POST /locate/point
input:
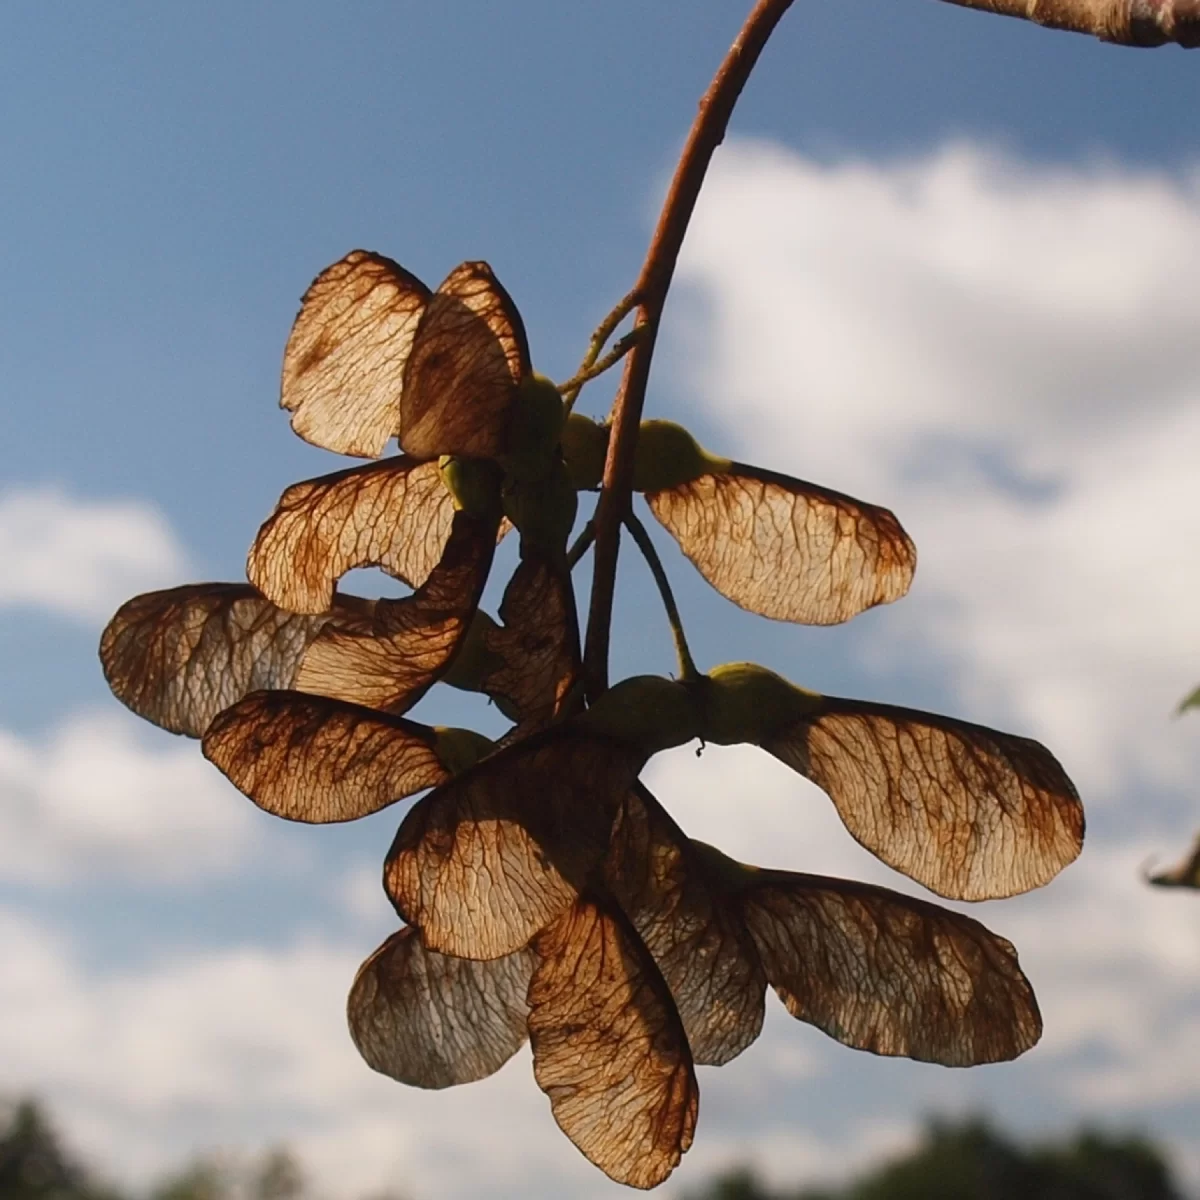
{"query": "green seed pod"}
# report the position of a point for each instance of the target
(646, 711)
(474, 662)
(667, 456)
(585, 447)
(723, 870)
(474, 484)
(543, 510)
(743, 702)
(459, 749)
(535, 428)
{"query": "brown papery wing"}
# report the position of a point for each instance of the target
(609, 1048)
(394, 514)
(180, 656)
(433, 1021)
(343, 368)
(787, 549)
(887, 973)
(538, 644)
(699, 943)
(971, 813)
(469, 355)
(411, 641)
(309, 758)
(501, 850)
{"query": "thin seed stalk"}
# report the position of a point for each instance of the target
(687, 666)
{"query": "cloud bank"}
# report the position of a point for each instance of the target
(82, 559)
(101, 800)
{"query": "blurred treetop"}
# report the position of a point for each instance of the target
(971, 1161)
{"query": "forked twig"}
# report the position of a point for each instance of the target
(586, 374)
(571, 389)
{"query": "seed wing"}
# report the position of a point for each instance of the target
(433, 1021)
(608, 1046)
(469, 355)
(887, 973)
(787, 549)
(180, 656)
(391, 663)
(697, 939)
(500, 851)
(971, 813)
(343, 367)
(309, 758)
(394, 514)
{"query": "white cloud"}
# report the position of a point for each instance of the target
(1117, 965)
(81, 559)
(99, 798)
(359, 893)
(1006, 356)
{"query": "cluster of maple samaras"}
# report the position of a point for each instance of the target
(546, 892)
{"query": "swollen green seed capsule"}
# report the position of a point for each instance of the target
(585, 447)
(543, 510)
(723, 870)
(473, 660)
(535, 428)
(458, 749)
(667, 456)
(647, 711)
(474, 484)
(474, 663)
(743, 702)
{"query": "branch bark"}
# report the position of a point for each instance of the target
(1126, 22)
(707, 133)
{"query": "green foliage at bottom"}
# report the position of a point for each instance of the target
(963, 1161)
(971, 1161)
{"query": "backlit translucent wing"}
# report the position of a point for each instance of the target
(469, 355)
(410, 642)
(698, 941)
(343, 368)
(787, 549)
(394, 514)
(499, 852)
(309, 758)
(537, 647)
(608, 1046)
(433, 1021)
(180, 656)
(887, 973)
(971, 813)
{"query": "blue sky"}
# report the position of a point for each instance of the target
(947, 262)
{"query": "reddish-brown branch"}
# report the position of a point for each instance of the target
(1127, 22)
(707, 133)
